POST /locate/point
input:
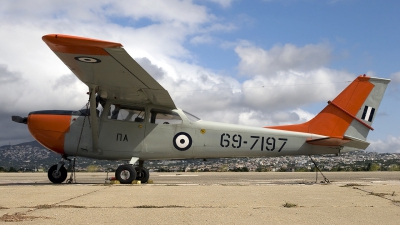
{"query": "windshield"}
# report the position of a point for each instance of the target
(191, 117)
(84, 111)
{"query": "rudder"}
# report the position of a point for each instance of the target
(368, 110)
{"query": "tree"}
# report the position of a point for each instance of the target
(394, 167)
(223, 168)
(12, 170)
(373, 167)
(92, 168)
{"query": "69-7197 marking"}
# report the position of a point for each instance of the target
(258, 142)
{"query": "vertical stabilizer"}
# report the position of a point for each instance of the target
(350, 115)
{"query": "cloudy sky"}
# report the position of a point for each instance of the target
(259, 62)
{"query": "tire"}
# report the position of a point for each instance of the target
(142, 174)
(125, 174)
(57, 178)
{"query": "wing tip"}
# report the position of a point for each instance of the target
(77, 40)
(78, 45)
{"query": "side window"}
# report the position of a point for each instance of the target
(126, 113)
(164, 117)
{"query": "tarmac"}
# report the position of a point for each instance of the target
(204, 198)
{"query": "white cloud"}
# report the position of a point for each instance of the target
(173, 11)
(155, 71)
(281, 79)
(370, 73)
(303, 115)
(33, 78)
(7, 76)
(254, 118)
(101, 11)
(395, 84)
(395, 78)
(257, 61)
(391, 144)
(292, 89)
(287, 77)
(223, 3)
(201, 39)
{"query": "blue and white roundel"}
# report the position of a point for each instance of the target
(87, 59)
(182, 141)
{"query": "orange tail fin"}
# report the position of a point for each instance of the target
(350, 114)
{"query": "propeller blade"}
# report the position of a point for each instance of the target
(19, 119)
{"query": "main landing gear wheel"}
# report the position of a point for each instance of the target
(57, 177)
(142, 174)
(125, 174)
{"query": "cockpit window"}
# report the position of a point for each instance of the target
(100, 103)
(191, 117)
(126, 113)
(159, 116)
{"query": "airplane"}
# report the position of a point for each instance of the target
(131, 117)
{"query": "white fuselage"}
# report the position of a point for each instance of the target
(183, 139)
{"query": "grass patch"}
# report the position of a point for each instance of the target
(19, 217)
(378, 194)
(396, 202)
(158, 207)
(289, 205)
(352, 185)
(46, 206)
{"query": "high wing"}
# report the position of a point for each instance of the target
(108, 69)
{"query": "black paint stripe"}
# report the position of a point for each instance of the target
(364, 113)
(371, 115)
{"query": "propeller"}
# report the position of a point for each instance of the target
(19, 119)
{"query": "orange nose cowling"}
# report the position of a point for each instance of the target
(49, 130)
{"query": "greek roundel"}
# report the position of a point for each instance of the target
(182, 141)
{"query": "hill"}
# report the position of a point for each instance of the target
(30, 156)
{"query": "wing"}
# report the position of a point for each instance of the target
(107, 68)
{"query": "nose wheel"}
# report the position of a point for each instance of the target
(57, 176)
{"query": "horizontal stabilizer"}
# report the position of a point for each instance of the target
(356, 143)
(328, 141)
(346, 141)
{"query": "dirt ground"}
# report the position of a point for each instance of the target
(203, 198)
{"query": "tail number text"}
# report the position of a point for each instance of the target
(257, 142)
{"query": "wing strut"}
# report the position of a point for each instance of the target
(93, 120)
